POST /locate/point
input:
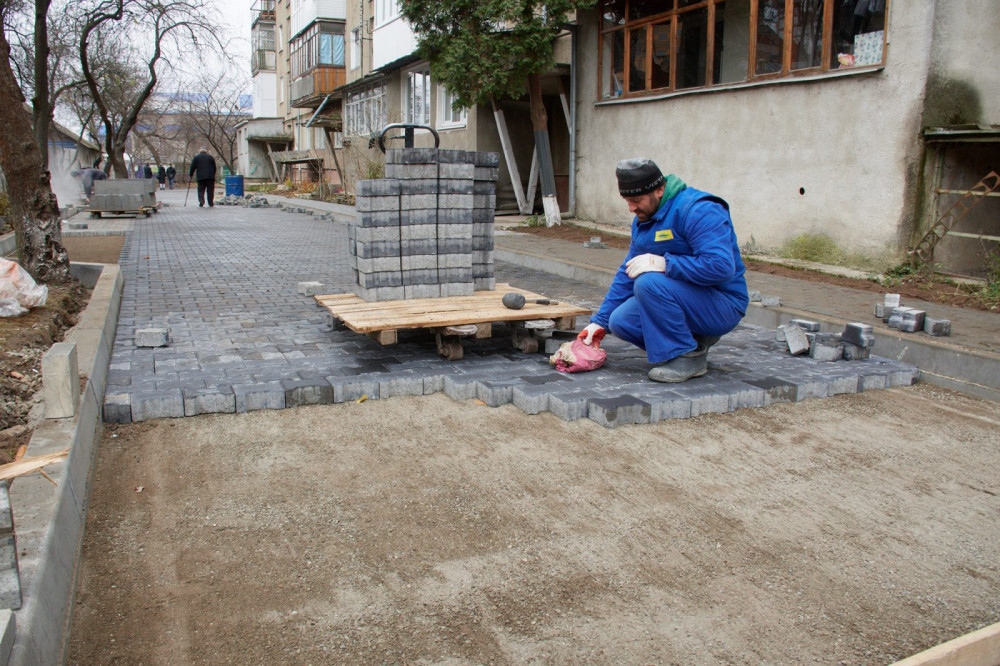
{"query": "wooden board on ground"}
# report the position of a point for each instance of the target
(482, 307)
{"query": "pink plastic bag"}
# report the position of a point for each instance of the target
(575, 356)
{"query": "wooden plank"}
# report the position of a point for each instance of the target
(29, 465)
(482, 308)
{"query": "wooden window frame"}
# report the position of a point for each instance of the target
(674, 12)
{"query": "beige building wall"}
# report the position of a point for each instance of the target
(838, 155)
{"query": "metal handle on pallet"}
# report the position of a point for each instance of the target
(407, 134)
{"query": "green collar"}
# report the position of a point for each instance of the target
(672, 187)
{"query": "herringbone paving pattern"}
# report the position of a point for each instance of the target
(223, 281)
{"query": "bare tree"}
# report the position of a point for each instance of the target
(158, 30)
(34, 208)
(213, 112)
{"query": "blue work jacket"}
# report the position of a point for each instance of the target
(694, 232)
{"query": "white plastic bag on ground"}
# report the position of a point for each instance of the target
(18, 290)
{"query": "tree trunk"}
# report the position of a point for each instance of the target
(540, 125)
(42, 104)
(34, 209)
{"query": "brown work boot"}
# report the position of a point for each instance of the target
(683, 367)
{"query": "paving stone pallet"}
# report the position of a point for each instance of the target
(453, 317)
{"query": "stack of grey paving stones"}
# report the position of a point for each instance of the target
(10, 578)
(910, 320)
(426, 229)
(803, 335)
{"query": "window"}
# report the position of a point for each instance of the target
(322, 44)
(417, 100)
(385, 11)
(656, 46)
(447, 115)
(355, 48)
(364, 110)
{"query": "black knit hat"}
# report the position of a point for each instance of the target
(637, 176)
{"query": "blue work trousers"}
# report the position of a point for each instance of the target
(664, 314)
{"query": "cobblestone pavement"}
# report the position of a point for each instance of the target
(224, 282)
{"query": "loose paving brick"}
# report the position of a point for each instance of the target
(225, 283)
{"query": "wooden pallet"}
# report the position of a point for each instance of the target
(382, 319)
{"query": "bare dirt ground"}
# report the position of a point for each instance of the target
(852, 530)
(25, 339)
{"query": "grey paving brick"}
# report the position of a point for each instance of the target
(252, 397)
(314, 391)
(117, 408)
(621, 410)
(215, 400)
(400, 385)
(348, 389)
(157, 405)
(570, 406)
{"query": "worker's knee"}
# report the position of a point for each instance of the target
(654, 286)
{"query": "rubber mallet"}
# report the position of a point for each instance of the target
(516, 301)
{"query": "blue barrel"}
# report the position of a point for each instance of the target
(234, 185)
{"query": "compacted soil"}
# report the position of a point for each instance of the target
(857, 529)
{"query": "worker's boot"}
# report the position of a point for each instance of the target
(707, 340)
(682, 368)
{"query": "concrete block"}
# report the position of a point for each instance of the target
(411, 171)
(152, 337)
(826, 351)
(310, 288)
(908, 320)
(455, 216)
(349, 390)
(307, 392)
(859, 334)
(6, 514)
(389, 248)
(570, 406)
(418, 232)
(853, 352)
(8, 631)
(806, 325)
(167, 403)
(456, 170)
(380, 279)
(457, 186)
(880, 311)
(375, 235)
(779, 335)
(61, 381)
(378, 187)
(456, 200)
(613, 412)
(419, 201)
(400, 385)
(937, 327)
(457, 156)
(770, 301)
(389, 264)
(421, 291)
(10, 579)
(411, 156)
(488, 201)
(460, 387)
(418, 262)
(252, 397)
(496, 392)
(532, 399)
(214, 400)
(487, 159)
(891, 301)
(381, 218)
(117, 408)
(455, 260)
(419, 186)
(484, 284)
(486, 173)
(375, 204)
(796, 339)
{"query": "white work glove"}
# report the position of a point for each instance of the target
(592, 335)
(645, 263)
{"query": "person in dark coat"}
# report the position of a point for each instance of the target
(161, 176)
(147, 171)
(203, 170)
(171, 175)
(87, 178)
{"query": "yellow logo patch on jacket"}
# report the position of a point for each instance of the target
(664, 235)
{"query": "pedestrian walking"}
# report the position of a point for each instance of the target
(147, 171)
(161, 176)
(203, 170)
(171, 175)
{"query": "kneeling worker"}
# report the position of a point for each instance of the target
(681, 286)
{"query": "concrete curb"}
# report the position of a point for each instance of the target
(49, 520)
